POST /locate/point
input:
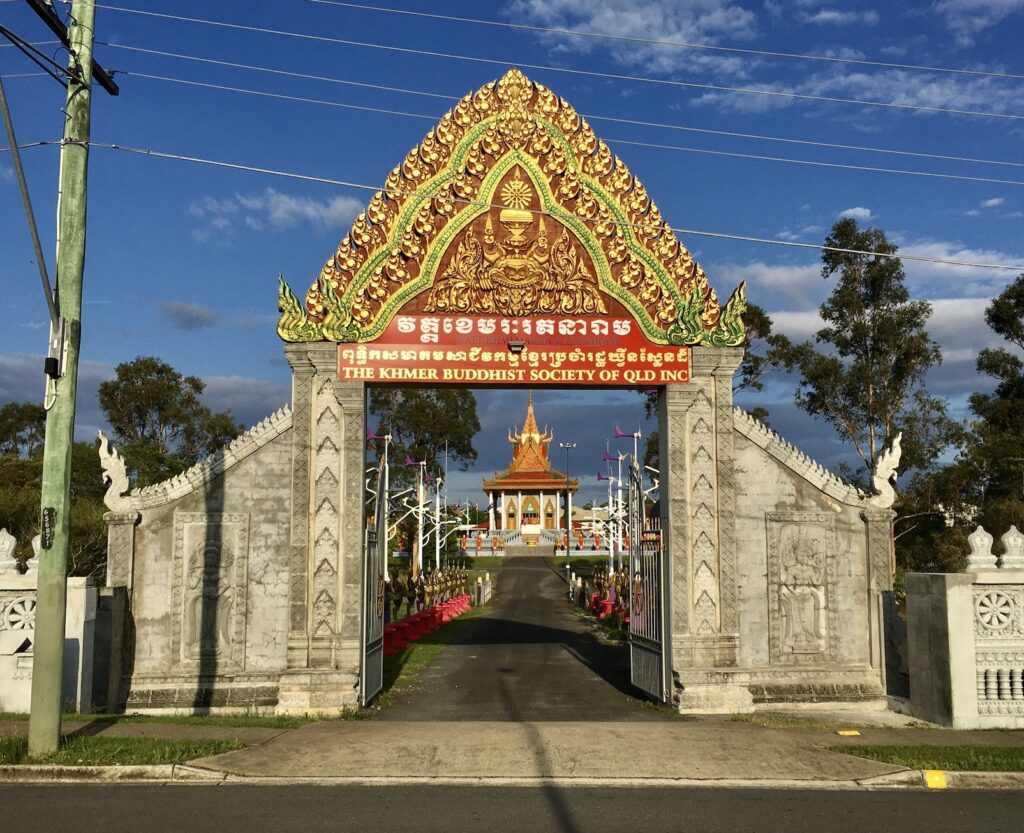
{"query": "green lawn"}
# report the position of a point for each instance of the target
(953, 758)
(236, 721)
(100, 751)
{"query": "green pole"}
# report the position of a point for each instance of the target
(51, 602)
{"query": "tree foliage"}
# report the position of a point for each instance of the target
(21, 471)
(865, 372)
(159, 421)
(423, 422)
(985, 483)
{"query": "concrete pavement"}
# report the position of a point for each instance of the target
(528, 694)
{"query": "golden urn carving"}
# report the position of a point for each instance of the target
(517, 271)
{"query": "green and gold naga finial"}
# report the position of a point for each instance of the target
(293, 325)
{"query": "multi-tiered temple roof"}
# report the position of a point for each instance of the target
(530, 469)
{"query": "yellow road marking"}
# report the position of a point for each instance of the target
(848, 733)
(935, 779)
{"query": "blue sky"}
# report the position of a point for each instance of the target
(183, 258)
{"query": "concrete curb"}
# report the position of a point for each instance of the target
(909, 779)
(43, 773)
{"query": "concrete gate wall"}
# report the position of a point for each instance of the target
(777, 566)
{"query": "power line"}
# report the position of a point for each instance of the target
(710, 152)
(26, 145)
(237, 166)
(764, 53)
(591, 117)
(566, 70)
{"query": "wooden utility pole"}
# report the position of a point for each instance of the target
(62, 386)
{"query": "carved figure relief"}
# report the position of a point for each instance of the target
(513, 267)
(209, 588)
(802, 594)
(802, 603)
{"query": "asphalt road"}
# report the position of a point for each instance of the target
(286, 808)
(530, 657)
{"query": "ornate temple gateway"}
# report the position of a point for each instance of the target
(528, 497)
(510, 247)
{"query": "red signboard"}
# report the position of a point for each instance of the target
(482, 350)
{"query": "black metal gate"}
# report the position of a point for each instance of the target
(372, 678)
(647, 599)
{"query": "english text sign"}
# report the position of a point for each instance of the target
(481, 350)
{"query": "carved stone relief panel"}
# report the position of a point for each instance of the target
(298, 559)
(703, 518)
(999, 648)
(726, 502)
(326, 499)
(802, 606)
(351, 399)
(18, 611)
(999, 612)
(209, 589)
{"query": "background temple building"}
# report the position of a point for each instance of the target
(528, 495)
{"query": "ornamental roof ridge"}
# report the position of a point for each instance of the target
(222, 459)
(511, 145)
(794, 459)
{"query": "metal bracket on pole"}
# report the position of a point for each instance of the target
(57, 356)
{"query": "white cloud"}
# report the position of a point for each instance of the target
(942, 280)
(858, 213)
(837, 17)
(972, 212)
(6, 173)
(800, 285)
(992, 203)
(799, 325)
(968, 18)
(895, 86)
(269, 209)
(689, 21)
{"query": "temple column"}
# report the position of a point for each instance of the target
(540, 512)
(490, 511)
(698, 524)
(519, 511)
(326, 553)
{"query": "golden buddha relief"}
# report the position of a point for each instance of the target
(511, 267)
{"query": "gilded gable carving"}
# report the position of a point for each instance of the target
(512, 206)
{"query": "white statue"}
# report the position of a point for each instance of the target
(115, 474)
(8, 564)
(32, 565)
(885, 475)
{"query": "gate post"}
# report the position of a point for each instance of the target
(326, 533)
(698, 522)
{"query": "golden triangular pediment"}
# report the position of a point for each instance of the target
(511, 206)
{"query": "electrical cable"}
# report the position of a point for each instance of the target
(730, 154)
(237, 166)
(590, 117)
(762, 53)
(567, 70)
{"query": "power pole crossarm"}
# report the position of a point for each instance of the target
(44, 722)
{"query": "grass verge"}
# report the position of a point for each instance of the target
(770, 720)
(235, 721)
(952, 758)
(99, 751)
(401, 670)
